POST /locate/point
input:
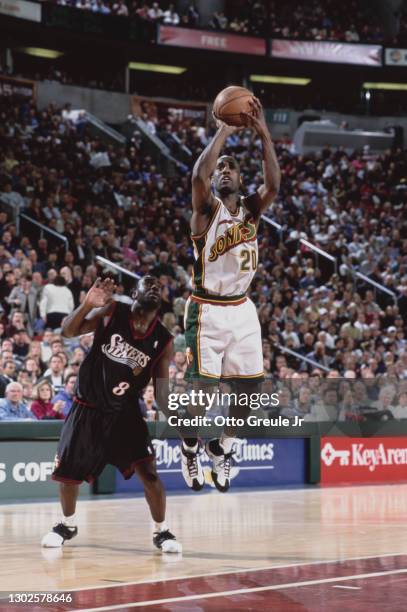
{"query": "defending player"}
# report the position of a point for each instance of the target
(222, 328)
(105, 424)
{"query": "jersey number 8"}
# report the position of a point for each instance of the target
(121, 388)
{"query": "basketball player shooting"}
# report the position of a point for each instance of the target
(105, 424)
(223, 333)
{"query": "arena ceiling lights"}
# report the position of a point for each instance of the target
(393, 86)
(39, 52)
(279, 80)
(163, 68)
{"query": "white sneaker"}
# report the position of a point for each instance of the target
(166, 542)
(59, 534)
(221, 465)
(191, 468)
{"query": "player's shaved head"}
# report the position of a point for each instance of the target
(147, 294)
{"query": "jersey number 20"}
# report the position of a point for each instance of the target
(248, 257)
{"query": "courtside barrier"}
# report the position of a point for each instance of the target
(377, 449)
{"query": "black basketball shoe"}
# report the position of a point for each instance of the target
(59, 534)
(166, 542)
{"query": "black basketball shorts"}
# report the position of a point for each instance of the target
(92, 438)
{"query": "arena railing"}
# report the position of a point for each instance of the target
(377, 286)
(110, 264)
(302, 358)
(276, 225)
(320, 252)
(104, 130)
(156, 147)
(44, 228)
(312, 247)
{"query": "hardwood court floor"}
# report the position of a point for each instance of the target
(239, 545)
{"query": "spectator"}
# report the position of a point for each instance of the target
(163, 267)
(21, 344)
(56, 302)
(54, 374)
(32, 368)
(12, 407)
(319, 355)
(149, 406)
(171, 17)
(16, 323)
(46, 351)
(193, 16)
(155, 13)
(23, 298)
(120, 8)
(327, 409)
(300, 407)
(7, 376)
(384, 406)
(400, 410)
(42, 406)
(66, 394)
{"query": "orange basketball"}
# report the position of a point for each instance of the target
(230, 102)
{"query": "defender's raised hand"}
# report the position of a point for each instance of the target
(101, 293)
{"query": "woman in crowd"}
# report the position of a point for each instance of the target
(42, 406)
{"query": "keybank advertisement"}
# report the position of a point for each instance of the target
(363, 460)
(258, 463)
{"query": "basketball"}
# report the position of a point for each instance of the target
(230, 102)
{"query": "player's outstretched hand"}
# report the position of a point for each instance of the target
(256, 118)
(101, 293)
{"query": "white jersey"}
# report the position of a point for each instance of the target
(226, 253)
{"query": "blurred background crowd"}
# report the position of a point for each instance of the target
(115, 203)
(348, 21)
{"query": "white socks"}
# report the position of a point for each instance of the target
(160, 526)
(69, 521)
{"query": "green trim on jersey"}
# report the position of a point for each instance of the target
(192, 330)
(199, 264)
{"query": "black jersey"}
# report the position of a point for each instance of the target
(120, 362)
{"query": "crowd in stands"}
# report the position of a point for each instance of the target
(158, 12)
(348, 21)
(117, 203)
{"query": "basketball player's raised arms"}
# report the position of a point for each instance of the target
(203, 200)
(271, 169)
(99, 299)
